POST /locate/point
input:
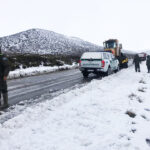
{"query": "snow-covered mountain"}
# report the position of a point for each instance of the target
(38, 41)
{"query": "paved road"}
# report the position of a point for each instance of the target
(33, 87)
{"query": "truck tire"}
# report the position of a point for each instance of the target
(126, 65)
(99, 74)
(85, 74)
(118, 68)
(109, 71)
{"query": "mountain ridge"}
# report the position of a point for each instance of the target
(39, 41)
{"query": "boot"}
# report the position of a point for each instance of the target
(5, 99)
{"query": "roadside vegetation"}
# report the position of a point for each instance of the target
(34, 60)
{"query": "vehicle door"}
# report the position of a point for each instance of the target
(111, 61)
(114, 62)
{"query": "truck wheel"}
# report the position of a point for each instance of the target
(109, 71)
(126, 65)
(85, 74)
(118, 68)
(98, 74)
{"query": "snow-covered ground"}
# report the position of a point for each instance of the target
(38, 70)
(93, 117)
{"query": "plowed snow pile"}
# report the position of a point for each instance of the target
(18, 73)
(108, 114)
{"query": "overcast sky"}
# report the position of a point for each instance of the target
(91, 20)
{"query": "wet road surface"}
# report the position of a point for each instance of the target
(34, 86)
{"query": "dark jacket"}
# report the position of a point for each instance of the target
(136, 60)
(4, 66)
(148, 61)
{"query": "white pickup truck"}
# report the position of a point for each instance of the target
(98, 62)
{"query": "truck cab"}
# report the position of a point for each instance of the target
(115, 47)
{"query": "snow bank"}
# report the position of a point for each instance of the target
(38, 70)
(90, 118)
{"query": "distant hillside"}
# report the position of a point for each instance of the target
(147, 52)
(38, 41)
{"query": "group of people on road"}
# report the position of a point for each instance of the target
(137, 62)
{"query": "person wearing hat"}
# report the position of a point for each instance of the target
(4, 71)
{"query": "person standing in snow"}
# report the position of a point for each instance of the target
(4, 71)
(148, 63)
(137, 61)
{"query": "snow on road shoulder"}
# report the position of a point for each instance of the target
(38, 70)
(108, 114)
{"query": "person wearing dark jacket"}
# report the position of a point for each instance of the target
(148, 63)
(136, 61)
(4, 71)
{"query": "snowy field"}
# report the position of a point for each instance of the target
(38, 70)
(108, 114)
